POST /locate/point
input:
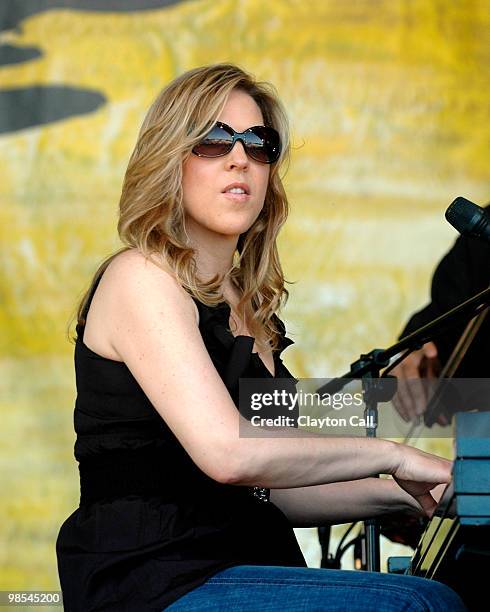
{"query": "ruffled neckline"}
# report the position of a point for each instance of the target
(215, 320)
(220, 316)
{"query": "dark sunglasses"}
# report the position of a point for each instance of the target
(260, 142)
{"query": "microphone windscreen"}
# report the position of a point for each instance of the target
(464, 215)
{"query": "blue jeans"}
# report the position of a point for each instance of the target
(293, 589)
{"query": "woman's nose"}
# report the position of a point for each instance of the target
(237, 156)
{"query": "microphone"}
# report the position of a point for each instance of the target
(469, 219)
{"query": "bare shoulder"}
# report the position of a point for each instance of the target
(131, 270)
(132, 283)
(134, 279)
(132, 265)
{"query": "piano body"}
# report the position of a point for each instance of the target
(455, 547)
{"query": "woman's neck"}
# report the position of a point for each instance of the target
(214, 256)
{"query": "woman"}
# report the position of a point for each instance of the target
(175, 506)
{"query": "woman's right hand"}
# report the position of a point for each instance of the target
(418, 472)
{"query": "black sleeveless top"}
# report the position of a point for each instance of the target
(151, 525)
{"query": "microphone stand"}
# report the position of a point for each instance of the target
(378, 389)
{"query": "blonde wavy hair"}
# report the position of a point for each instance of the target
(151, 212)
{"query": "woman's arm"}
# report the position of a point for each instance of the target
(151, 324)
(344, 502)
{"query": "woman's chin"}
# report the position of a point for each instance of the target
(231, 230)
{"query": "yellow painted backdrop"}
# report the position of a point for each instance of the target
(388, 101)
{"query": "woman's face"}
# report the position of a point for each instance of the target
(208, 206)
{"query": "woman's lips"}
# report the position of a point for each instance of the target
(237, 197)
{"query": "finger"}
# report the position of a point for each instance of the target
(419, 397)
(431, 365)
(415, 394)
(430, 350)
(408, 393)
(438, 491)
(442, 420)
(409, 400)
(402, 399)
(427, 503)
(430, 368)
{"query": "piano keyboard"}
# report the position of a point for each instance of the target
(455, 547)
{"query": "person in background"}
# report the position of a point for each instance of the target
(463, 272)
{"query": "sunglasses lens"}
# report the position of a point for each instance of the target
(262, 144)
(218, 142)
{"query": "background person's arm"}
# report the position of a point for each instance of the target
(462, 272)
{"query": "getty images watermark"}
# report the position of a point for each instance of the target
(288, 407)
(286, 402)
